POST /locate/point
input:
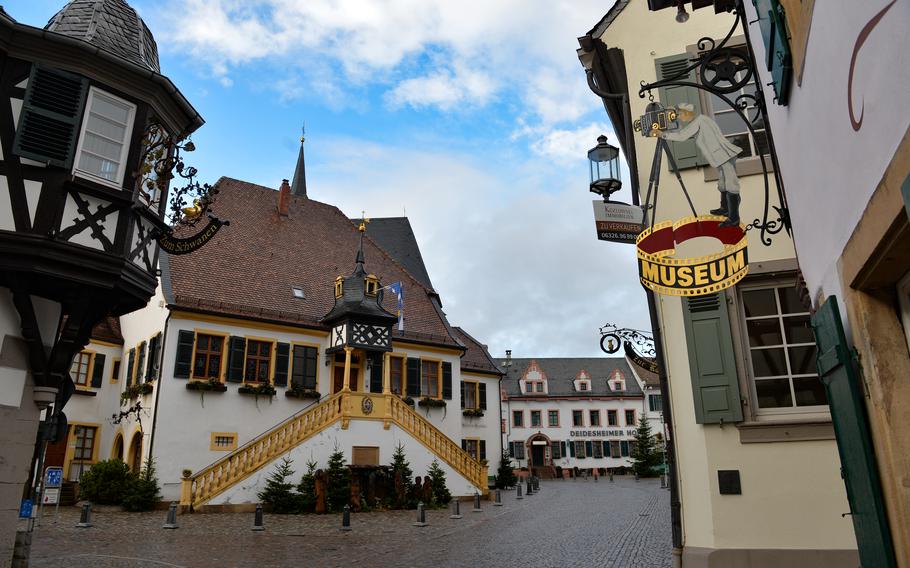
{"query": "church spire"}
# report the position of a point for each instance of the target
(298, 185)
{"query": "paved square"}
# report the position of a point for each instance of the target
(625, 524)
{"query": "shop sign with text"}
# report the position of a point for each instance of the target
(617, 222)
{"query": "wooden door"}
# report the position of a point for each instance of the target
(338, 379)
(55, 454)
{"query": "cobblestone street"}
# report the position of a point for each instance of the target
(569, 523)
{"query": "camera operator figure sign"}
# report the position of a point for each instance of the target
(718, 151)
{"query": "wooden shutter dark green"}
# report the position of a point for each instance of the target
(715, 385)
(483, 449)
(98, 370)
(462, 394)
(838, 371)
(772, 22)
(129, 370)
(413, 377)
(685, 153)
(236, 354)
(589, 448)
(624, 448)
(376, 375)
(311, 355)
(155, 360)
(184, 357)
(298, 365)
(446, 380)
(140, 363)
(464, 445)
(149, 372)
(606, 446)
(51, 114)
(511, 450)
(482, 388)
(571, 448)
(282, 360)
(554, 450)
(562, 448)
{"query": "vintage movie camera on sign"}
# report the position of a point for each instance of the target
(655, 119)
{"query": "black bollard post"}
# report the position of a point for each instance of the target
(257, 518)
(85, 517)
(477, 508)
(611, 476)
(421, 516)
(536, 483)
(528, 489)
(636, 476)
(346, 518)
(171, 522)
(456, 506)
(497, 502)
(519, 492)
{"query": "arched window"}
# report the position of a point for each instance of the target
(135, 453)
(117, 451)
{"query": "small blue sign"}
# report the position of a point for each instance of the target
(25, 510)
(53, 477)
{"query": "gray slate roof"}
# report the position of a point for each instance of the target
(111, 25)
(394, 234)
(561, 373)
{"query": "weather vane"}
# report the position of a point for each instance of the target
(364, 221)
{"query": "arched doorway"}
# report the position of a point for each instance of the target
(539, 451)
(135, 453)
(117, 450)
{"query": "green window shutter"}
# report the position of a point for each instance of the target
(462, 394)
(140, 364)
(606, 446)
(511, 449)
(571, 449)
(589, 448)
(98, 370)
(184, 357)
(715, 385)
(413, 377)
(482, 388)
(311, 355)
(772, 22)
(562, 448)
(376, 375)
(483, 449)
(298, 365)
(624, 448)
(464, 445)
(685, 153)
(155, 358)
(236, 354)
(446, 380)
(51, 115)
(554, 451)
(282, 359)
(129, 369)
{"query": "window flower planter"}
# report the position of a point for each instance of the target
(472, 412)
(258, 390)
(302, 393)
(408, 400)
(212, 386)
(432, 403)
(134, 391)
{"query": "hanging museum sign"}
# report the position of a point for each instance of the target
(174, 245)
(617, 222)
(661, 271)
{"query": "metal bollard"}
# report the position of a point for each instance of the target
(636, 477)
(85, 517)
(257, 518)
(663, 481)
(457, 508)
(477, 508)
(497, 501)
(171, 522)
(529, 490)
(346, 518)
(421, 516)
(519, 492)
(611, 476)
(536, 483)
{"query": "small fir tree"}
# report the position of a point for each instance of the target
(441, 494)
(142, 493)
(307, 489)
(401, 466)
(278, 490)
(338, 490)
(505, 476)
(645, 455)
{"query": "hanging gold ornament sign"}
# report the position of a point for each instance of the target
(660, 270)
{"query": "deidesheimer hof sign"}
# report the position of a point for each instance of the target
(661, 272)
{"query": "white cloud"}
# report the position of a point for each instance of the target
(517, 265)
(570, 146)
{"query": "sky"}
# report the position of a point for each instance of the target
(473, 118)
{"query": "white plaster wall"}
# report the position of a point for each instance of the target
(830, 170)
(486, 427)
(318, 448)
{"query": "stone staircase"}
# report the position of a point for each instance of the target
(200, 487)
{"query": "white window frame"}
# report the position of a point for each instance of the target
(903, 296)
(117, 183)
(817, 411)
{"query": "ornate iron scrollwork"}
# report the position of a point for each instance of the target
(722, 71)
(612, 338)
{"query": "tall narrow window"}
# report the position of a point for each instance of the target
(630, 418)
(518, 418)
(105, 138)
(580, 449)
(611, 418)
(396, 375)
(472, 447)
(429, 379)
(470, 395)
(258, 357)
(553, 418)
(578, 418)
(655, 403)
(207, 364)
(79, 370)
(83, 451)
(595, 417)
(535, 419)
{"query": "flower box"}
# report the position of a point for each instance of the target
(432, 403)
(264, 389)
(299, 392)
(134, 391)
(472, 412)
(212, 386)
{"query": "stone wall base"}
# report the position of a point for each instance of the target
(695, 557)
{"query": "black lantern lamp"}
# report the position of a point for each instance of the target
(604, 162)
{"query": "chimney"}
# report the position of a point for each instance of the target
(284, 198)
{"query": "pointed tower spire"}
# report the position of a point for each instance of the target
(298, 186)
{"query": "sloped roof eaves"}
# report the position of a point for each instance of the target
(396, 237)
(476, 358)
(249, 267)
(609, 18)
(561, 373)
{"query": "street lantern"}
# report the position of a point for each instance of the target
(604, 163)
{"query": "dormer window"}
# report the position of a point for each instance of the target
(583, 386)
(103, 142)
(339, 286)
(372, 284)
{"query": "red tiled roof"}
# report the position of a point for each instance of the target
(108, 330)
(250, 266)
(477, 357)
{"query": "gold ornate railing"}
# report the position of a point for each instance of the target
(438, 443)
(205, 484)
(239, 464)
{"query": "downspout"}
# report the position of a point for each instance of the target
(167, 320)
(675, 501)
